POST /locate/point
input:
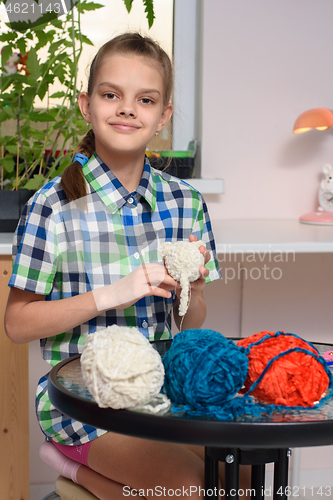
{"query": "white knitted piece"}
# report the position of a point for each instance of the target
(182, 260)
(120, 368)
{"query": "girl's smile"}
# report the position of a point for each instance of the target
(124, 126)
(126, 107)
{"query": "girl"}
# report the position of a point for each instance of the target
(85, 257)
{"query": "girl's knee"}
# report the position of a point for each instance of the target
(190, 483)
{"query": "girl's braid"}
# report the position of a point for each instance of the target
(72, 180)
(87, 145)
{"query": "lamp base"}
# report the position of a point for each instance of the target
(319, 217)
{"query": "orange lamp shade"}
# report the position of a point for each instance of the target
(318, 118)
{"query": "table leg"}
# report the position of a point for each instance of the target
(281, 475)
(257, 458)
(211, 476)
(232, 473)
(258, 481)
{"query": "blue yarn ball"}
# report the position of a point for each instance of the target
(203, 369)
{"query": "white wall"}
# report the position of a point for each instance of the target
(264, 63)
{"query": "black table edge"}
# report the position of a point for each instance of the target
(172, 428)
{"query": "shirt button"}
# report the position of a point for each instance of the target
(136, 255)
(144, 324)
(130, 200)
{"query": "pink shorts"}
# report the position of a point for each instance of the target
(77, 453)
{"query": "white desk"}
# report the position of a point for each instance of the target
(6, 240)
(289, 235)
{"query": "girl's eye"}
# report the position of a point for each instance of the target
(110, 96)
(146, 100)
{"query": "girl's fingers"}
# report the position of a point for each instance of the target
(202, 248)
(160, 292)
(156, 275)
(203, 271)
(205, 253)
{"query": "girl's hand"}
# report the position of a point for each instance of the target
(196, 313)
(198, 285)
(145, 280)
(202, 269)
(29, 317)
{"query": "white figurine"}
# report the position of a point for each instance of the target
(325, 194)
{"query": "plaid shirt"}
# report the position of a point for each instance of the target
(63, 249)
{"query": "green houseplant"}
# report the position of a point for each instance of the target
(40, 141)
(36, 143)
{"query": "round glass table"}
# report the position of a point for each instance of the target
(248, 440)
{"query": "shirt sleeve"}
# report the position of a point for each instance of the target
(35, 248)
(202, 228)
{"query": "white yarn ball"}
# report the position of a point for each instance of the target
(183, 257)
(120, 368)
(182, 260)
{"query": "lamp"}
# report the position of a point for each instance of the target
(319, 119)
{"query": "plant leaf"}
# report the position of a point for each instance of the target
(59, 73)
(8, 37)
(8, 163)
(54, 46)
(21, 45)
(40, 23)
(5, 53)
(82, 6)
(33, 63)
(12, 149)
(30, 94)
(58, 95)
(3, 117)
(36, 182)
(128, 5)
(56, 23)
(86, 40)
(64, 162)
(43, 38)
(39, 116)
(149, 9)
(9, 112)
(38, 135)
(42, 90)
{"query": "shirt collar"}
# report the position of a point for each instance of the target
(110, 189)
(147, 185)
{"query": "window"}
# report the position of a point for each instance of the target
(177, 29)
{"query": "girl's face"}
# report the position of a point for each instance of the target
(126, 106)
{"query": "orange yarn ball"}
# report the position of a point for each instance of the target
(294, 379)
